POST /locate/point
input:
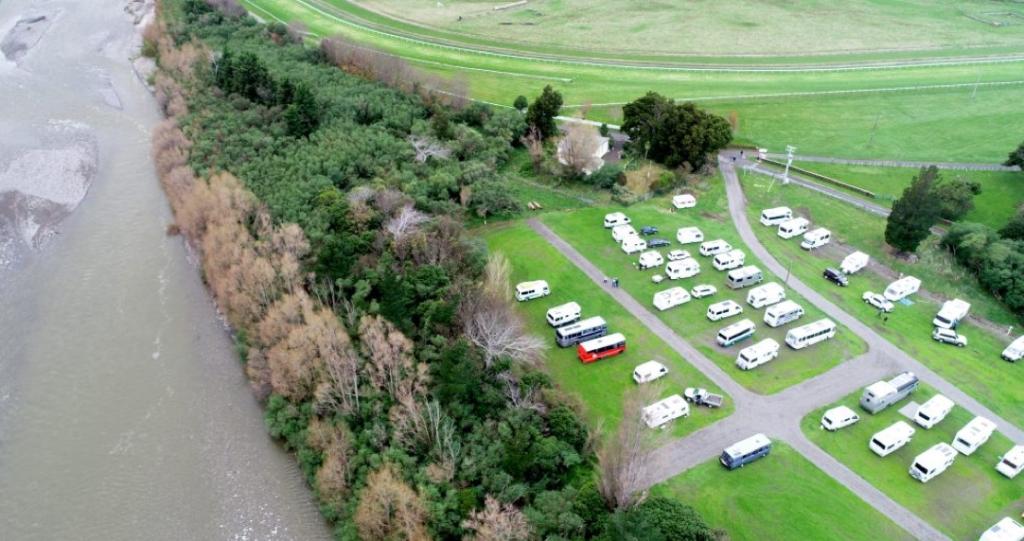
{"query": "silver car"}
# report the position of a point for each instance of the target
(878, 301)
(949, 336)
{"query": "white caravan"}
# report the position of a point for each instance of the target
(623, 232)
(1015, 351)
(889, 440)
(615, 218)
(1012, 462)
(1006, 529)
(792, 228)
(689, 235)
(670, 298)
(810, 334)
(782, 313)
(532, 290)
(563, 314)
(743, 277)
(684, 201)
(650, 259)
(741, 330)
(683, 268)
(951, 314)
(760, 353)
(714, 247)
(776, 215)
(908, 285)
(729, 260)
(724, 309)
(665, 410)
(882, 394)
(766, 295)
(973, 435)
(649, 371)
(838, 417)
(816, 239)
(854, 262)
(933, 411)
(932, 462)
(632, 245)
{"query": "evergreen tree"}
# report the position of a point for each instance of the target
(672, 133)
(303, 115)
(520, 103)
(1016, 157)
(542, 112)
(915, 212)
(1014, 229)
(956, 197)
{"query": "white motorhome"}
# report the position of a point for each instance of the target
(760, 353)
(951, 314)
(882, 394)
(1006, 529)
(532, 290)
(663, 411)
(632, 245)
(1012, 463)
(854, 262)
(776, 215)
(1015, 351)
(615, 218)
(933, 411)
(622, 232)
(714, 247)
(670, 298)
(743, 277)
(908, 285)
(649, 371)
(724, 309)
(741, 330)
(563, 314)
(766, 295)
(932, 462)
(684, 268)
(792, 228)
(729, 260)
(889, 440)
(689, 235)
(973, 435)
(650, 259)
(782, 313)
(838, 417)
(816, 238)
(811, 333)
(684, 201)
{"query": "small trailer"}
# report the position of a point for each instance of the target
(896, 291)
(702, 397)
(854, 262)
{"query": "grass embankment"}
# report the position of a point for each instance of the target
(976, 369)
(601, 385)
(783, 494)
(583, 229)
(963, 501)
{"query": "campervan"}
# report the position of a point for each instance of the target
(760, 353)
(775, 216)
(683, 268)
(623, 232)
(1012, 463)
(615, 218)
(650, 259)
(882, 394)
(782, 313)
(689, 235)
(714, 247)
(816, 238)
(632, 245)
(838, 417)
(792, 228)
(854, 262)
(1015, 351)
(973, 435)
(951, 314)
(684, 201)
(932, 462)
(724, 309)
(649, 371)
(729, 260)
(889, 440)
(1006, 529)
(600, 348)
(743, 277)
(933, 411)
(532, 290)
(581, 331)
(563, 314)
(901, 288)
(670, 298)
(665, 410)
(811, 333)
(744, 452)
(766, 295)
(737, 332)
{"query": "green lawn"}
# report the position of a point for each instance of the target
(600, 385)
(963, 501)
(783, 494)
(583, 229)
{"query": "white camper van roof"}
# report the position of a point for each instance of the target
(768, 290)
(649, 367)
(1006, 529)
(748, 445)
(531, 285)
(935, 456)
(783, 307)
(977, 429)
(855, 257)
(776, 211)
(935, 404)
(815, 233)
(561, 309)
(795, 222)
(764, 346)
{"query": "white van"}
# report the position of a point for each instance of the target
(810, 334)
(854, 262)
(1006, 529)
(932, 462)
(760, 353)
(684, 201)
(816, 239)
(776, 215)
(729, 260)
(766, 295)
(889, 440)
(689, 235)
(665, 410)
(951, 314)
(650, 259)
(649, 371)
(714, 247)
(743, 277)
(684, 268)
(973, 435)
(838, 417)
(670, 298)
(1012, 463)
(724, 309)
(1015, 351)
(631, 245)
(933, 411)
(622, 232)
(532, 290)
(741, 330)
(792, 228)
(563, 314)
(908, 285)
(782, 313)
(615, 218)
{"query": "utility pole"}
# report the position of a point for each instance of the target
(790, 150)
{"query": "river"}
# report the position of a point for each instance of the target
(124, 412)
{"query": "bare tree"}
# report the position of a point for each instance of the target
(390, 509)
(493, 326)
(406, 221)
(426, 147)
(621, 467)
(497, 275)
(497, 522)
(534, 143)
(578, 147)
(519, 396)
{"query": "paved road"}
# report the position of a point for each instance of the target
(962, 166)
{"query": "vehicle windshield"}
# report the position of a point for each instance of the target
(942, 319)
(963, 441)
(924, 416)
(920, 468)
(878, 443)
(1010, 463)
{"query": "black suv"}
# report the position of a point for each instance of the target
(658, 243)
(648, 230)
(836, 277)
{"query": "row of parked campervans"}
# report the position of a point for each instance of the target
(789, 227)
(590, 335)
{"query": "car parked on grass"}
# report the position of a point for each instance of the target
(836, 276)
(949, 336)
(878, 301)
(678, 255)
(838, 417)
(700, 291)
(658, 243)
(648, 230)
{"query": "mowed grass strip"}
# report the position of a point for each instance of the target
(782, 497)
(601, 385)
(963, 501)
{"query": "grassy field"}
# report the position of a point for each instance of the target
(963, 501)
(783, 494)
(583, 230)
(600, 385)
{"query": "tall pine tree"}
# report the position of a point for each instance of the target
(915, 212)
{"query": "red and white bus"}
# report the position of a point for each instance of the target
(599, 348)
